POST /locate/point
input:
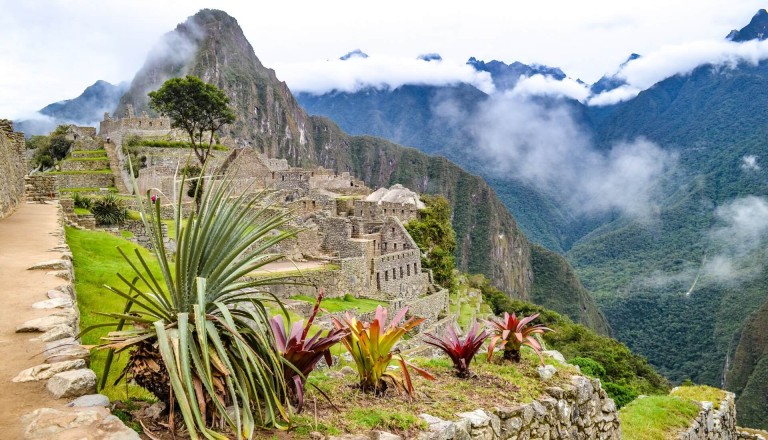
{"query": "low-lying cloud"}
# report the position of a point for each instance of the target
(545, 85)
(378, 71)
(644, 72)
(743, 231)
(542, 144)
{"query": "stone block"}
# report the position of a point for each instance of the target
(46, 371)
(75, 423)
(43, 324)
(53, 303)
(90, 400)
(72, 383)
(52, 265)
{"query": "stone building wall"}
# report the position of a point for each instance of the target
(13, 168)
(84, 180)
(714, 424)
(41, 187)
(399, 274)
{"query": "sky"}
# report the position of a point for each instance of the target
(52, 50)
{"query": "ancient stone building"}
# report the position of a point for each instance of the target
(13, 167)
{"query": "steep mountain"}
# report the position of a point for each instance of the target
(610, 82)
(749, 375)
(89, 107)
(212, 46)
(757, 29)
(86, 109)
(505, 76)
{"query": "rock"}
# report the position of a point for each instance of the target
(334, 375)
(64, 350)
(155, 410)
(43, 324)
(383, 435)
(583, 390)
(609, 406)
(90, 400)
(478, 418)
(546, 372)
(54, 293)
(554, 354)
(75, 423)
(555, 392)
(52, 265)
(321, 365)
(349, 437)
(439, 429)
(46, 371)
(72, 383)
(347, 370)
(53, 303)
(63, 274)
(56, 333)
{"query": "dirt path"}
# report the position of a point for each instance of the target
(26, 238)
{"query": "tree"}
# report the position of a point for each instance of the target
(434, 235)
(196, 107)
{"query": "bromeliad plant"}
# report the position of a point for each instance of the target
(461, 351)
(197, 340)
(513, 334)
(371, 346)
(303, 354)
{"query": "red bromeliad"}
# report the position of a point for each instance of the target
(512, 334)
(460, 351)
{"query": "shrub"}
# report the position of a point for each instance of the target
(460, 351)
(371, 346)
(621, 394)
(109, 210)
(513, 334)
(83, 202)
(588, 366)
(201, 339)
(302, 354)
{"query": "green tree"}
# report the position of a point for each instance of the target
(434, 235)
(196, 107)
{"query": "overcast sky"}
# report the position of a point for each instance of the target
(52, 50)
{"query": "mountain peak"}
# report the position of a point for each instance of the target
(757, 29)
(357, 53)
(430, 57)
(505, 76)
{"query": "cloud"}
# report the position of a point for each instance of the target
(378, 71)
(749, 163)
(541, 85)
(542, 144)
(743, 232)
(681, 59)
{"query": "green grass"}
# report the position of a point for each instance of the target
(347, 302)
(82, 211)
(89, 152)
(700, 393)
(296, 272)
(85, 159)
(97, 262)
(105, 171)
(86, 190)
(656, 417)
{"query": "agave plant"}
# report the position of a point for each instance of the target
(371, 346)
(513, 334)
(461, 351)
(303, 354)
(197, 339)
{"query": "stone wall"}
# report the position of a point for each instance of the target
(84, 180)
(744, 435)
(714, 424)
(41, 187)
(140, 236)
(579, 410)
(84, 165)
(13, 168)
(429, 307)
(399, 274)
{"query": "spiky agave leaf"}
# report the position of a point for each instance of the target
(461, 351)
(225, 354)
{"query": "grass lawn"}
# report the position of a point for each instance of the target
(346, 302)
(97, 262)
(700, 393)
(656, 417)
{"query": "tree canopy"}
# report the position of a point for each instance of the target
(434, 235)
(196, 107)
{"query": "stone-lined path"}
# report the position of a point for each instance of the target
(26, 238)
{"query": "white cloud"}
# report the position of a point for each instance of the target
(547, 86)
(749, 163)
(681, 59)
(378, 71)
(742, 233)
(544, 145)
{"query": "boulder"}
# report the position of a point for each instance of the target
(90, 400)
(75, 423)
(52, 265)
(546, 372)
(72, 383)
(46, 371)
(44, 324)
